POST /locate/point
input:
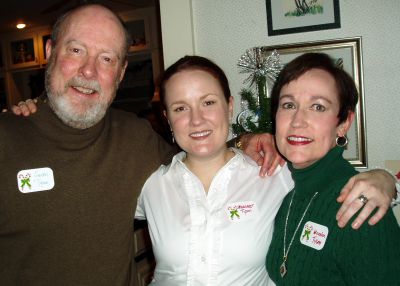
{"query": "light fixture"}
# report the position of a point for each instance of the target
(21, 26)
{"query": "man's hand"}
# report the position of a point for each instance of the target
(378, 186)
(261, 148)
(25, 108)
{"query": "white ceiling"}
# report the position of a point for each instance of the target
(44, 12)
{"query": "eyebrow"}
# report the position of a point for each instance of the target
(73, 41)
(208, 94)
(201, 98)
(314, 97)
(176, 103)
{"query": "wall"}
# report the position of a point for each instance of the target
(223, 29)
(176, 29)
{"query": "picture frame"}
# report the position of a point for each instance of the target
(42, 38)
(136, 89)
(23, 52)
(139, 30)
(349, 52)
(291, 16)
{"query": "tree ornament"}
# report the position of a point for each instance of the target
(263, 70)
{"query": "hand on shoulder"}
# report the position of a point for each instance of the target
(25, 108)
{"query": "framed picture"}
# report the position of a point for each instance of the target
(296, 16)
(42, 38)
(348, 53)
(139, 30)
(137, 88)
(23, 52)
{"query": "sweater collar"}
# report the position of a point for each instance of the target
(55, 130)
(311, 179)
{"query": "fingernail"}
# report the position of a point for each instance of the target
(355, 224)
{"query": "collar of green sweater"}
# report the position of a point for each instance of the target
(312, 178)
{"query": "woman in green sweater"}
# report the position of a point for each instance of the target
(314, 103)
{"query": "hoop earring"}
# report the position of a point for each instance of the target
(341, 141)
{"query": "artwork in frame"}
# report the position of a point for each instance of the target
(347, 53)
(140, 34)
(44, 38)
(296, 16)
(22, 51)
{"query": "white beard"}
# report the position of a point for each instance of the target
(88, 114)
(68, 114)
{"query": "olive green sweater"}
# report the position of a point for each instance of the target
(81, 231)
(368, 256)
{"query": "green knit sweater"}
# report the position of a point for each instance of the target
(81, 231)
(368, 256)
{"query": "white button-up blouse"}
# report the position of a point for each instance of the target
(219, 238)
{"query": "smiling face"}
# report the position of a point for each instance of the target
(307, 118)
(85, 66)
(198, 113)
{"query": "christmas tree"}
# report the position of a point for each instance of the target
(255, 116)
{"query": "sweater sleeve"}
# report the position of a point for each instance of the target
(369, 256)
(154, 141)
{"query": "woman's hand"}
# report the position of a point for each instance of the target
(378, 186)
(25, 108)
(261, 148)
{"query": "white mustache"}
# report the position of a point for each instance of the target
(89, 84)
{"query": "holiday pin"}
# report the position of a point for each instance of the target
(241, 211)
(35, 180)
(314, 235)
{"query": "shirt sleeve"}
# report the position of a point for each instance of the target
(286, 177)
(140, 208)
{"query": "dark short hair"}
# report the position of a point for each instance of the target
(347, 90)
(59, 27)
(195, 63)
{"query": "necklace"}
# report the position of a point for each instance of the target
(283, 268)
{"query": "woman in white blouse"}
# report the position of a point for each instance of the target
(210, 215)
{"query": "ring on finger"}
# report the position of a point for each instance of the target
(363, 199)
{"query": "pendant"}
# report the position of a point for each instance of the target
(283, 269)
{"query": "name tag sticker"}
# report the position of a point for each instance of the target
(241, 211)
(35, 180)
(314, 235)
